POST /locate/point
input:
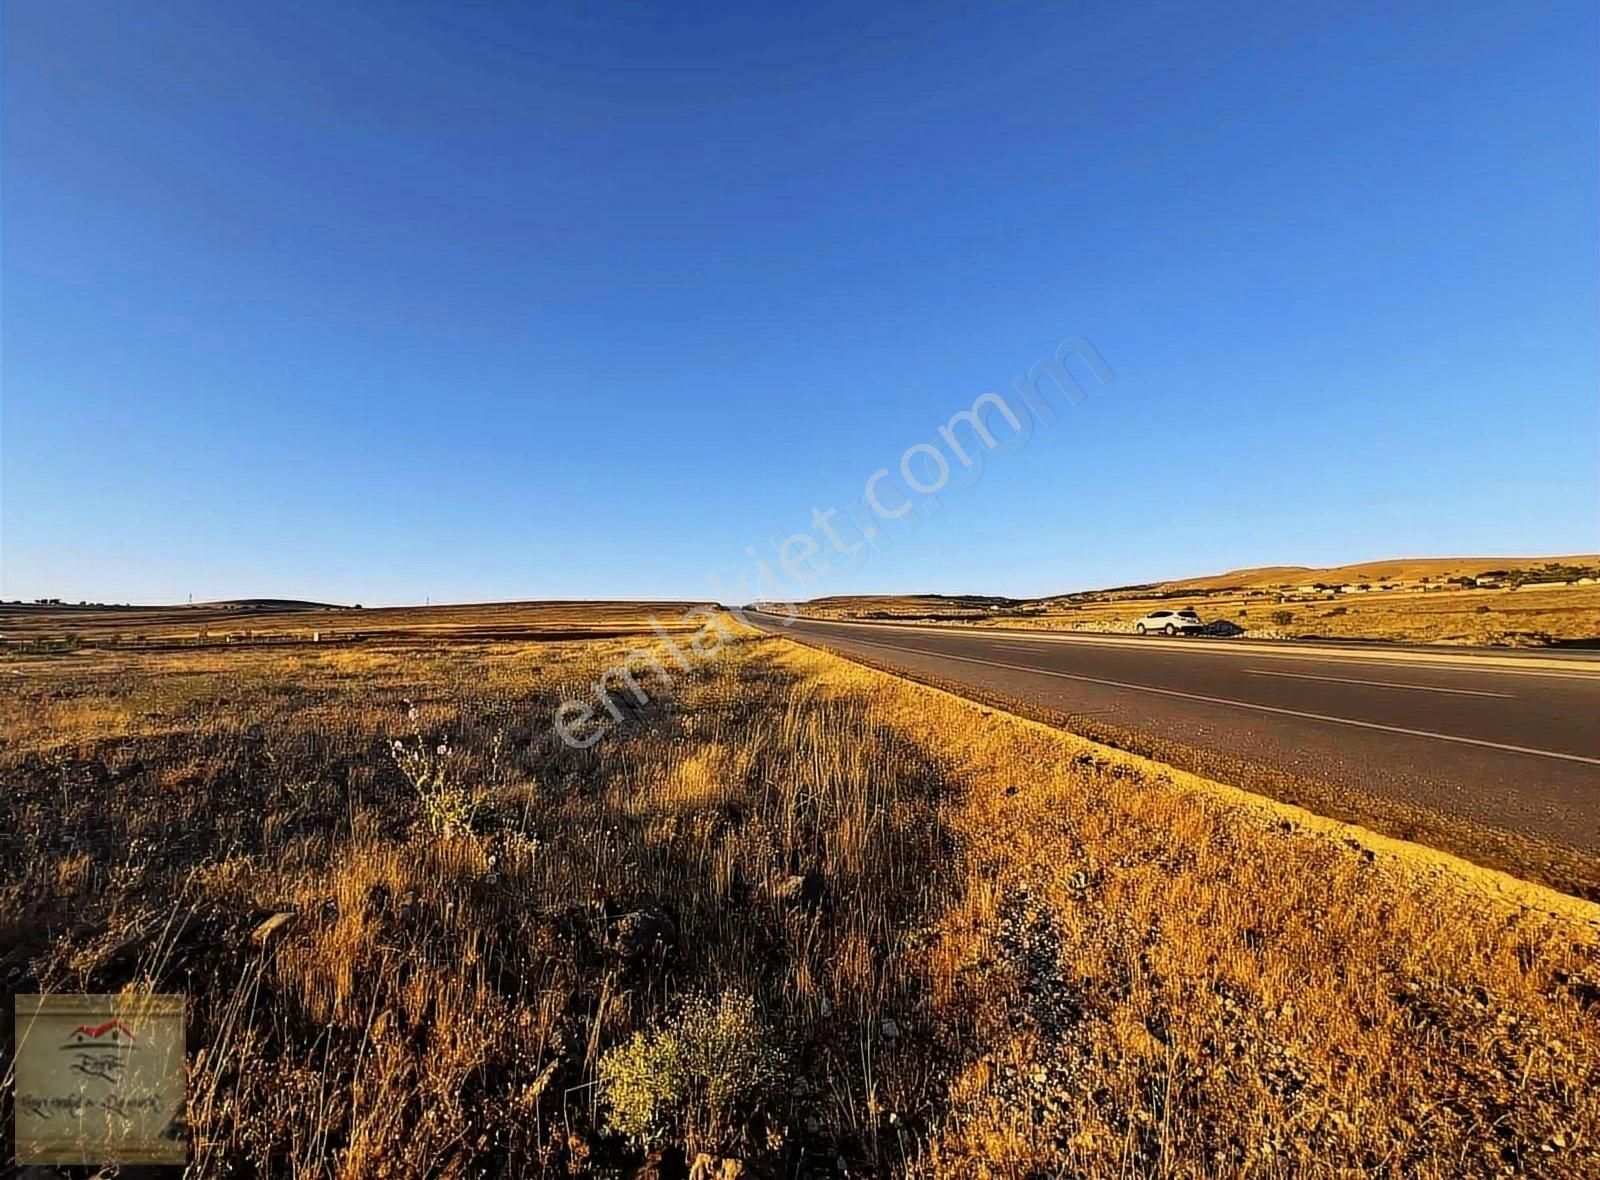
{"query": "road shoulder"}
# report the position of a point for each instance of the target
(1516, 856)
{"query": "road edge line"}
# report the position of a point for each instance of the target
(1424, 859)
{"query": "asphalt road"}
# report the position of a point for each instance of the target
(1507, 741)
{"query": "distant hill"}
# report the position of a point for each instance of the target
(276, 604)
(1409, 569)
(261, 620)
(921, 606)
(1520, 602)
(1394, 569)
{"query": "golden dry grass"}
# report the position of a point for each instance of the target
(982, 946)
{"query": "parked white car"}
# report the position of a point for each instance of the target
(1170, 622)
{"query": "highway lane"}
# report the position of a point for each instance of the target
(1512, 743)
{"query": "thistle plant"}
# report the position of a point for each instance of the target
(447, 804)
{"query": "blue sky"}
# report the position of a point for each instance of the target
(384, 302)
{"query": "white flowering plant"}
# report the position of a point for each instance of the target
(447, 804)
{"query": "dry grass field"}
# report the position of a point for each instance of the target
(269, 621)
(1283, 602)
(794, 917)
(1540, 617)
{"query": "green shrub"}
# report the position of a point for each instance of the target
(1282, 618)
(686, 1078)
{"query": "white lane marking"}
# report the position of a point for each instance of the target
(1474, 663)
(1195, 696)
(1465, 692)
(1487, 665)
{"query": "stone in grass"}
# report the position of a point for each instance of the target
(799, 888)
(642, 933)
(274, 925)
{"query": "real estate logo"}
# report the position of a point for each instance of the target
(100, 1079)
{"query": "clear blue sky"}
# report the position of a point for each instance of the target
(391, 301)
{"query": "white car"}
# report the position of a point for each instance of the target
(1170, 622)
